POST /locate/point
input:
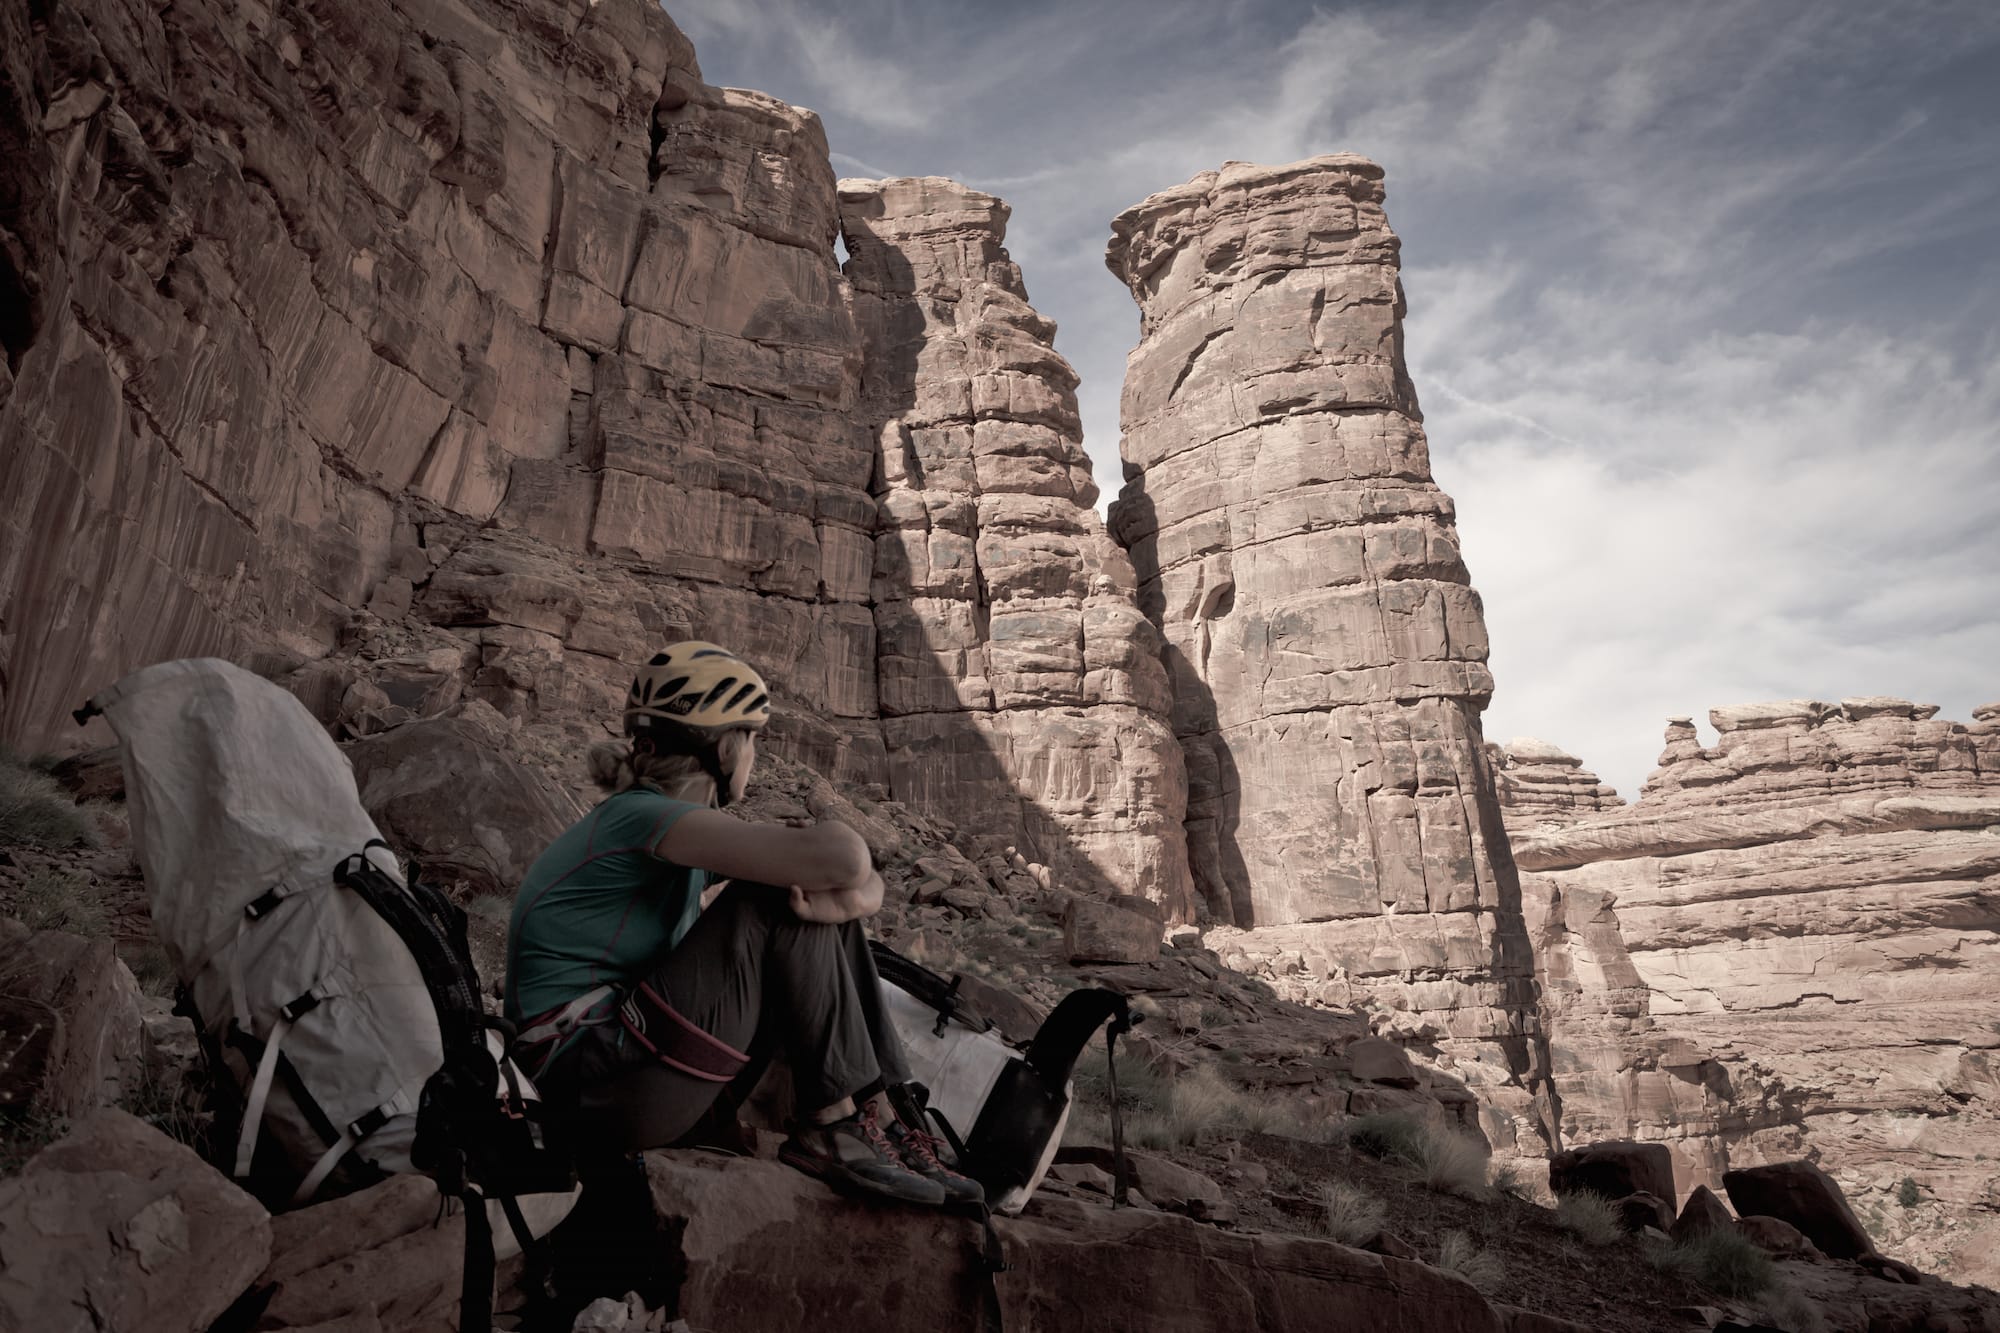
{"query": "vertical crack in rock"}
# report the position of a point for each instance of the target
(1021, 689)
(1787, 946)
(1331, 718)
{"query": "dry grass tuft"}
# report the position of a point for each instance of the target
(36, 812)
(50, 899)
(1457, 1253)
(1351, 1214)
(1445, 1161)
(1590, 1218)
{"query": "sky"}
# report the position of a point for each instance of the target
(1704, 297)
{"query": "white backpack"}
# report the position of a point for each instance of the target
(1001, 1108)
(328, 989)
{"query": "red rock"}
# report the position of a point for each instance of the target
(415, 780)
(1614, 1169)
(1097, 932)
(1703, 1212)
(1806, 1197)
(81, 1022)
(1639, 1211)
(1776, 1236)
(116, 1226)
(1377, 1060)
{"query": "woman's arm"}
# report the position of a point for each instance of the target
(837, 906)
(819, 858)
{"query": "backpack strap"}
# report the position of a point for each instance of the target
(260, 1093)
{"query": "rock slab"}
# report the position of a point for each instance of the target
(117, 1226)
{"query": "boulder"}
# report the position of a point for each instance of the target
(1636, 1212)
(1097, 932)
(1379, 1060)
(1615, 1169)
(1167, 1183)
(760, 1243)
(1776, 1236)
(116, 1226)
(1073, 1264)
(1703, 1212)
(385, 1253)
(1805, 1196)
(73, 1014)
(442, 793)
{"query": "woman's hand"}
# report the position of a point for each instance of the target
(833, 907)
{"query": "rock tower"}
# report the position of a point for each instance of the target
(1021, 688)
(1326, 649)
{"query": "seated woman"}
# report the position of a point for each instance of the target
(637, 1005)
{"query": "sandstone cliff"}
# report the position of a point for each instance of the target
(1020, 686)
(451, 357)
(1326, 649)
(1542, 787)
(1789, 945)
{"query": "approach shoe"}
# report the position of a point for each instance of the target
(856, 1157)
(918, 1151)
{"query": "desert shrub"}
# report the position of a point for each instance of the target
(152, 971)
(1387, 1136)
(1506, 1178)
(1725, 1262)
(1350, 1214)
(25, 1133)
(1908, 1193)
(1457, 1253)
(1447, 1162)
(1729, 1263)
(1590, 1218)
(36, 812)
(172, 1108)
(51, 899)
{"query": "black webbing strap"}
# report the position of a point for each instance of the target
(475, 1293)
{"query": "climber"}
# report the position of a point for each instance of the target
(641, 984)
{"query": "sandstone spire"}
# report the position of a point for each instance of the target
(1021, 689)
(1326, 650)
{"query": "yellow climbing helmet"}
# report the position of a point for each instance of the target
(700, 687)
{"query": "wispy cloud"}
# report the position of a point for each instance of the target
(1700, 293)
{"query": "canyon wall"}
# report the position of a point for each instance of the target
(1020, 686)
(455, 356)
(1326, 649)
(1789, 946)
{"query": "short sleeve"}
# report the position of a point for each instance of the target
(645, 819)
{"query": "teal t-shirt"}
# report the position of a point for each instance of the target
(598, 906)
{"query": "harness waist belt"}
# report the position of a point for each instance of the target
(674, 1041)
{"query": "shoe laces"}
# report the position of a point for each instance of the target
(871, 1130)
(923, 1147)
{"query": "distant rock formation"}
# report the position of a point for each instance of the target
(1021, 689)
(1328, 654)
(1543, 787)
(1790, 944)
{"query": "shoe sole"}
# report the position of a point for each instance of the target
(842, 1181)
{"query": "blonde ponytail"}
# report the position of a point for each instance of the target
(614, 767)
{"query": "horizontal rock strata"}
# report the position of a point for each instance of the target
(1020, 686)
(448, 359)
(1543, 787)
(1790, 944)
(1326, 648)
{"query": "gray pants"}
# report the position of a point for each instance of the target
(751, 974)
